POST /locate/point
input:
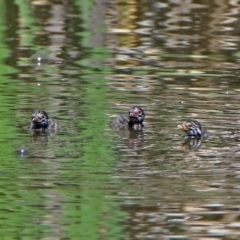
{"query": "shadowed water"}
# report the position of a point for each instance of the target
(84, 63)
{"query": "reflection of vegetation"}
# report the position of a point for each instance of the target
(27, 23)
(7, 129)
(96, 213)
(31, 202)
(95, 216)
(47, 196)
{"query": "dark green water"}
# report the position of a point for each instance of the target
(175, 59)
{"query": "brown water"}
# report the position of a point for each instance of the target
(178, 60)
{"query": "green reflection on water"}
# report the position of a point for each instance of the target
(97, 216)
(94, 216)
(31, 205)
(7, 129)
(18, 205)
(28, 23)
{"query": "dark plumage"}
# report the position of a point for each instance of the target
(134, 118)
(193, 128)
(41, 121)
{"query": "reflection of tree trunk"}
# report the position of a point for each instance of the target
(97, 26)
(55, 26)
(98, 15)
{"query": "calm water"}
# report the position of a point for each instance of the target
(177, 60)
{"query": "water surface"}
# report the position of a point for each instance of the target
(178, 60)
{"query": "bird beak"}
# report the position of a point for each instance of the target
(183, 126)
(34, 119)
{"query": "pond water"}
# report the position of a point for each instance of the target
(84, 63)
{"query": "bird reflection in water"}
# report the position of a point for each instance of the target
(131, 139)
(39, 137)
(136, 139)
(192, 143)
